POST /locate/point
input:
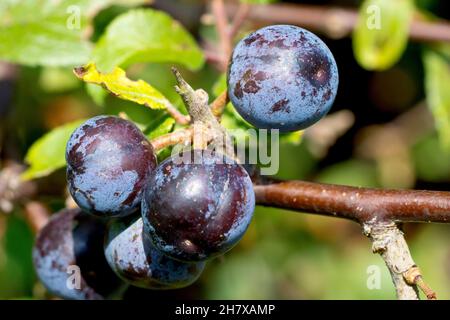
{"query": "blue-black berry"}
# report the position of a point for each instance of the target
(282, 77)
(133, 258)
(108, 162)
(198, 209)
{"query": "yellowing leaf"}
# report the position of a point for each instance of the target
(381, 34)
(119, 85)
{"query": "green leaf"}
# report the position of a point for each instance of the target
(48, 32)
(161, 125)
(97, 93)
(351, 172)
(220, 85)
(437, 82)
(119, 85)
(381, 33)
(47, 154)
(56, 79)
(146, 35)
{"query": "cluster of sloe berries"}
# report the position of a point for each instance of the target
(155, 226)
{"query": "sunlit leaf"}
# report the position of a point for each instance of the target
(119, 85)
(161, 125)
(146, 35)
(48, 32)
(47, 154)
(381, 34)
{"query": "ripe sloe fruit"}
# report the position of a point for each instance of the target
(196, 210)
(134, 259)
(74, 238)
(108, 162)
(282, 77)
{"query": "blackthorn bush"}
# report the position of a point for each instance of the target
(282, 77)
(195, 205)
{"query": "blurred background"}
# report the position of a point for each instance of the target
(389, 127)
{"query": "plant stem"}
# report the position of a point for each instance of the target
(218, 10)
(205, 125)
(218, 105)
(173, 138)
(388, 241)
(358, 204)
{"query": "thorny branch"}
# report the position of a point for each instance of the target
(388, 241)
(376, 210)
(206, 126)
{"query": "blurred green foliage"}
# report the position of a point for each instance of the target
(381, 35)
(284, 255)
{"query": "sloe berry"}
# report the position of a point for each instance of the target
(134, 259)
(197, 208)
(108, 162)
(282, 77)
(72, 241)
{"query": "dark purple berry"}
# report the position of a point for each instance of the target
(282, 77)
(72, 241)
(134, 259)
(108, 162)
(196, 210)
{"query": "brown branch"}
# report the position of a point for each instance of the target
(173, 138)
(414, 277)
(177, 115)
(221, 21)
(186, 135)
(336, 22)
(36, 214)
(239, 19)
(218, 105)
(377, 210)
(13, 189)
(389, 242)
(358, 204)
(214, 58)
